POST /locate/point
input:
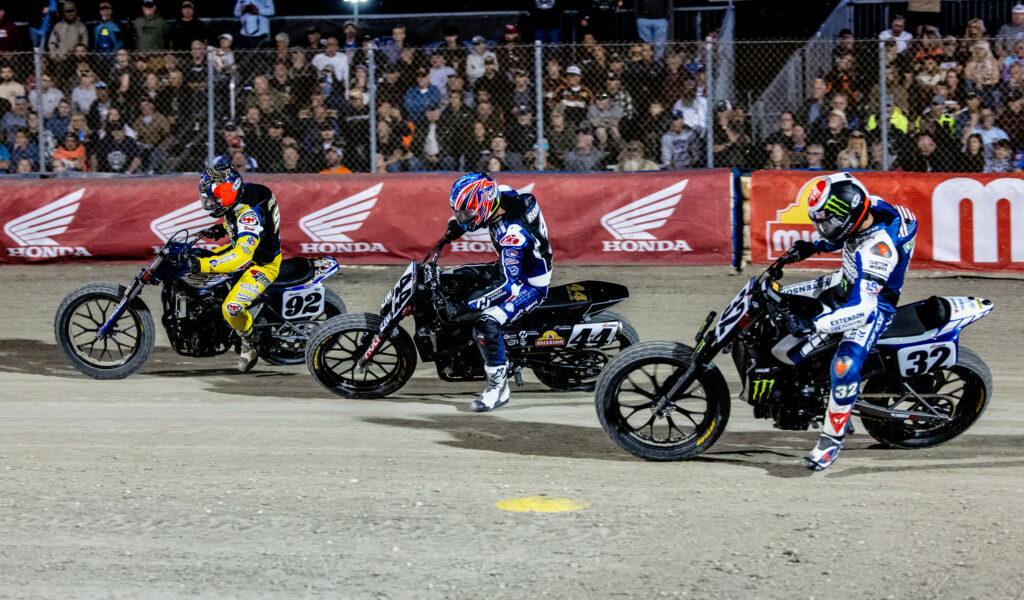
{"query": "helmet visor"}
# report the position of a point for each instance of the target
(830, 227)
(467, 218)
(210, 204)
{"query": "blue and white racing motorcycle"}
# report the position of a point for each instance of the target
(920, 388)
(106, 331)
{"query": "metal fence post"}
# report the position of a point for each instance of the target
(371, 87)
(209, 106)
(883, 106)
(709, 108)
(40, 129)
(538, 78)
(232, 88)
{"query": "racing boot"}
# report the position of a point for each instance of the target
(496, 393)
(833, 435)
(247, 351)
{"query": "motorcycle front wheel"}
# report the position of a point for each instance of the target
(960, 392)
(628, 392)
(122, 350)
(334, 348)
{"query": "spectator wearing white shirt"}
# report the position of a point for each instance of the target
(476, 58)
(898, 31)
(334, 63)
(439, 73)
(83, 95)
(51, 96)
(254, 24)
(691, 107)
(988, 131)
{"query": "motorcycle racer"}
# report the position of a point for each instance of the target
(251, 222)
(523, 269)
(877, 240)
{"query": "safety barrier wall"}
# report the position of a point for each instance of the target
(970, 222)
(668, 217)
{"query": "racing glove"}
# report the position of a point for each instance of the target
(455, 230)
(803, 250)
(215, 232)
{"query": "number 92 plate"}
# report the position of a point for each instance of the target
(303, 303)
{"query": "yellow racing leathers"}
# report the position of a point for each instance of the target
(253, 226)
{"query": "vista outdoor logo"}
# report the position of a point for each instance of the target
(791, 224)
(631, 224)
(191, 217)
(33, 231)
(946, 226)
(480, 240)
(327, 227)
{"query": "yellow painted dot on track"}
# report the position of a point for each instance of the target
(541, 504)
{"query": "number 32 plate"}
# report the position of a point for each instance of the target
(915, 360)
(304, 303)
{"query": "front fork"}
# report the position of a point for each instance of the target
(699, 365)
(144, 277)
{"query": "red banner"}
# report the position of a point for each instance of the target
(669, 218)
(972, 222)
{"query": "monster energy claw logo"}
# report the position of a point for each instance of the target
(837, 206)
(762, 389)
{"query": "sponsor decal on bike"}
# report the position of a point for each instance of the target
(577, 293)
(549, 338)
(33, 231)
(329, 226)
(707, 433)
(762, 389)
(631, 224)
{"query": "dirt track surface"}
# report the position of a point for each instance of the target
(191, 480)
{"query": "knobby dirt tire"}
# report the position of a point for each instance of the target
(106, 295)
(638, 361)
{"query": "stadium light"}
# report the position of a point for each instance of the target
(355, 9)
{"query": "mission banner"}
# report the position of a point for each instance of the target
(659, 218)
(965, 221)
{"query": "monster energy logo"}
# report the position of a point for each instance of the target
(837, 206)
(762, 389)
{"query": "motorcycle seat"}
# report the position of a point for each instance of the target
(294, 271)
(914, 319)
(571, 300)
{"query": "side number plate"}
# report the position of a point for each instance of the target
(304, 303)
(593, 335)
(915, 360)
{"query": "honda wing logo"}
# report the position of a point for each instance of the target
(328, 226)
(480, 240)
(631, 225)
(34, 231)
(191, 217)
(984, 198)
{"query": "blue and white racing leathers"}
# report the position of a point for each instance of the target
(520, 238)
(867, 288)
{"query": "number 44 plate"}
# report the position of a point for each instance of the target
(303, 303)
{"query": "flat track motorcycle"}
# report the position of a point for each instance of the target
(920, 388)
(106, 331)
(566, 340)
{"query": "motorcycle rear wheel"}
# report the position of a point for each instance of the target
(961, 392)
(121, 352)
(333, 349)
(572, 361)
(625, 395)
(280, 352)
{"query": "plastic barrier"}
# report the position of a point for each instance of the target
(669, 218)
(970, 222)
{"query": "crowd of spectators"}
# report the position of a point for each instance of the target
(131, 97)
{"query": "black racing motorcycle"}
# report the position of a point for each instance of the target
(106, 331)
(565, 341)
(920, 388)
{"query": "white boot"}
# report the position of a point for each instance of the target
(247, 351)
(833, 435)
(496, 394)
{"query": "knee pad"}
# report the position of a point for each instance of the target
(487, 332)
(845, 372)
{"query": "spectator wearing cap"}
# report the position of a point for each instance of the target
(186, 28)
(584, 156)
(652, 23)
(350, 39)
(511, 54)
(67, 33)
(573, 96)
(318, 121)
(333, 64)
(440, 72)
(620, 97)
(223, 56)
(1014, 30)
(454, 50)
(235, 144)
(392, 47)
(732, 144)
(513, 161)
(522, 131)
(418, 97)
(332, 163)
(96, 117)
(522, 91)
(116, 152)
(602, 113)
(151, 29)
(681, 145)
(496, 85)
(691, 107)
(106, 35)
(329, 140)
(254, 22)
(390, 88)
(432, 144)
(939, 118)
(898, 32)
(475, 59)
(561, 139)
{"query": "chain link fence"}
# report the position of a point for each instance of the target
(949, 105)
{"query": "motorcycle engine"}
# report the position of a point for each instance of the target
(194, 324)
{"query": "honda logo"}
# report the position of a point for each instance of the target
(191, 217)
(34, 231)
(984, 198)
(328, 226)
(631, 225)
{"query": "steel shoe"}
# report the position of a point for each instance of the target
(497, 393)
(247, 351)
